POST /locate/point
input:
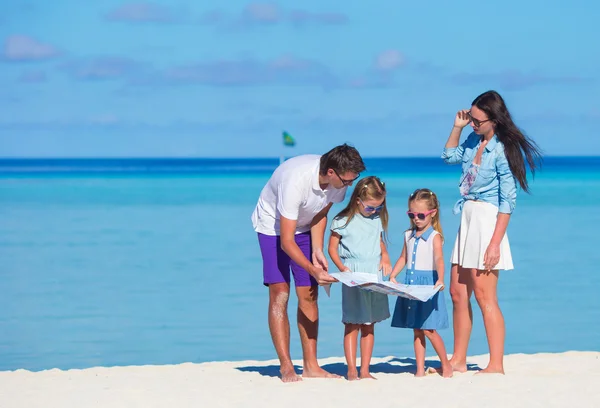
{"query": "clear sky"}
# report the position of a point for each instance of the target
(175, 78)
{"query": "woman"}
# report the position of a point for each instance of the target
(493, 161)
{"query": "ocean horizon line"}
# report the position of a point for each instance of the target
(214, 166)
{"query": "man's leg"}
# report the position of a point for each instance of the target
(276, 275)
(308, 312)
(308, 326)
(279, 325)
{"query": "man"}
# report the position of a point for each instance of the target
(290, 219)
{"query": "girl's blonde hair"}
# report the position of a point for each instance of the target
(425, 194)
(368, 188)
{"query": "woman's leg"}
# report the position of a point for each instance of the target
(461, 289)
(485, 285)
(367, 340)
(350, 344)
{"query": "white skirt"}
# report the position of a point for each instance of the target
(477, 223)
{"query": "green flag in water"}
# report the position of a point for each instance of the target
(288, 140)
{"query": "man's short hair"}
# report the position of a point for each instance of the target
(343, 159)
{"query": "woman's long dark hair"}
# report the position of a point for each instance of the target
(517, 146)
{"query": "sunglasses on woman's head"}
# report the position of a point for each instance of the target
(421, 216)
(370, 209)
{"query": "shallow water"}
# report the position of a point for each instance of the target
(135, 268)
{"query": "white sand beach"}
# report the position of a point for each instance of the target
(538, 380)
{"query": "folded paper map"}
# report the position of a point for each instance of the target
(371, 282)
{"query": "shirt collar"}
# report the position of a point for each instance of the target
(492, 143)
(315, 178)
(425, 235)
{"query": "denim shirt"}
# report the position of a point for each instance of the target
(495, 182)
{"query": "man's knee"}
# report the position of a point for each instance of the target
(279, 295)
(307, 296)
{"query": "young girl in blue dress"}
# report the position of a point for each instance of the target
(424, 260)
(357, 244)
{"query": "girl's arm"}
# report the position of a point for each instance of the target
(334, 242)
(400, 263)
(385, 265)
(438, 259)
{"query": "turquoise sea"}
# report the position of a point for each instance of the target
(152, 261)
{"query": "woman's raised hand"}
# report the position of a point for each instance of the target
(462, 118)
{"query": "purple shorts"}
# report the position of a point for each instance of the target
(277, 264)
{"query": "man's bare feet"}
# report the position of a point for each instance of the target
(491, 370)
(353, 375)
(366, 376)
(318, 373)
(289, 375)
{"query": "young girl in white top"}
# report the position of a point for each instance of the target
(422, 254)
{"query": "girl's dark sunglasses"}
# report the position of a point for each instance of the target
(421, 216)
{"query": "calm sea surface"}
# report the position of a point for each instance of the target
(121, 262)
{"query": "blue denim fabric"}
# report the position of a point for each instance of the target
(495, 182)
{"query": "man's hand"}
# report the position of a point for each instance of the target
(319, 260)
(321, 276)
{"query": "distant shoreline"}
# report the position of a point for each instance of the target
(400, 165)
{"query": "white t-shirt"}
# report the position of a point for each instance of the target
(293, 191)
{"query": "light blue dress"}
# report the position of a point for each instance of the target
(360, 250)
(420, 270)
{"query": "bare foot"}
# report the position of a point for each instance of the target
(367, 376)
(420, 372)
(352, 375)
(460, 368)
(319, 373)
(447, 370)
(491, 370)
(289, 375)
